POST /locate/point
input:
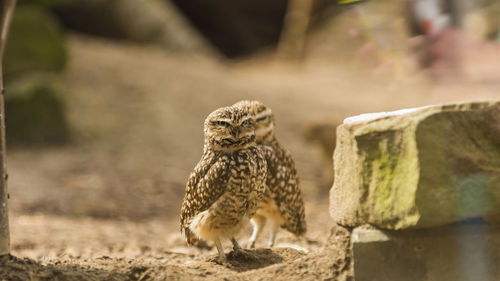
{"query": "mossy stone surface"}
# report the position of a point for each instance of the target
(36, 43)
(35, 111)
(420, 168)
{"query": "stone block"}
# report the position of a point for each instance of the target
(420, 167)
(453, 253)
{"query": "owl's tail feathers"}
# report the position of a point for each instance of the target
(295, 222)
(301, 228)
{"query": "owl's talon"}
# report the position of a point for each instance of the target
(236, 245)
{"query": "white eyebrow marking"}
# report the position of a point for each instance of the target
(224, 120)
(263, 113)
(246, 119)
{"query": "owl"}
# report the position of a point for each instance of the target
(226, 185)
(282, 205)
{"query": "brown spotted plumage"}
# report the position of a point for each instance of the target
(282, 204)
(223, 190)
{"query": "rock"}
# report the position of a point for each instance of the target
(35, 43)
(419, 167)
(35, 111)
(153, 21)
(458, 252)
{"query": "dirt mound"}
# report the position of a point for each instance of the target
(332, 263)
(253, 259)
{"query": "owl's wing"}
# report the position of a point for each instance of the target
(205, 185)
(291, 203)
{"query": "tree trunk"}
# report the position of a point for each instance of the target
(293, 35)
(6, 13)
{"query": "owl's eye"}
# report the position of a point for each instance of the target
(245, 123)
(222, 123)
(261, 119)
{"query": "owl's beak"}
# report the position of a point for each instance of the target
(235, 132)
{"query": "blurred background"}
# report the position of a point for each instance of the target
(105, 100)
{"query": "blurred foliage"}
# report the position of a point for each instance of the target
(34, 110)
(35, 54)
(36, 43)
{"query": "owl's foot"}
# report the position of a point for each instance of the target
(258, 222)
(270, 243)
(243, 255)
(251, 244)
(221, 259)
(272, 238)
(240, 253)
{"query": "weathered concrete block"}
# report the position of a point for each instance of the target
(419, 167)
(453, 253)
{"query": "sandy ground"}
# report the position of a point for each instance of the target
(63, 248)
(105, 206)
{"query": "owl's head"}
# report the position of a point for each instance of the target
(229, 128)
(264, 119)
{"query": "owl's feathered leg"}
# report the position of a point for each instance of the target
(258, 222)
(222, 256)
(272, 238)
